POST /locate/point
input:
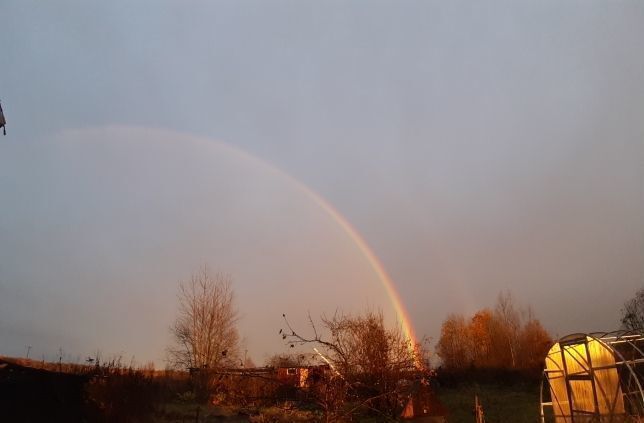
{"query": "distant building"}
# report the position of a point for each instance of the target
(302, 376)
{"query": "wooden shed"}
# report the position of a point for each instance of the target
(302, 376)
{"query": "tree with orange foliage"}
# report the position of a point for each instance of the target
(453, 346)
(480, 333)
(534, 343)
(506, 338)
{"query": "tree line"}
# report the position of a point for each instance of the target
(504, 337)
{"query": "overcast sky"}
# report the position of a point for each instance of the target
(476, 146)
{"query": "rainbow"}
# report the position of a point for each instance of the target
(377, 266)
(402, 315)
(371, 257)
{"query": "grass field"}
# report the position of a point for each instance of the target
(182, 412)
(511, 403)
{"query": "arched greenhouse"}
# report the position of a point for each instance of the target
(596, 377)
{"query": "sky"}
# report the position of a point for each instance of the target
(475, 146)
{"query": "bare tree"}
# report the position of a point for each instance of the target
(633, 312)
(370, 362)
(205, 331)
(509, 327)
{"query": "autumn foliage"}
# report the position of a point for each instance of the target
(502, 338)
